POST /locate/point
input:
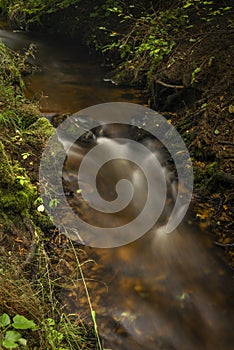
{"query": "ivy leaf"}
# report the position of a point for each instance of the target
(4, 320)
(21, 322)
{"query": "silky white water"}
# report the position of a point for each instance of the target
(162, 291)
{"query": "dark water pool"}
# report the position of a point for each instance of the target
(69, 78)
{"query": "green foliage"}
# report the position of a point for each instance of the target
(54, 336)
(16, 191)
(9, 337)
(135, 35)
(206, 10)
(53, 203)
(16, 332)
(29, 310)
(144, 36)
(32, 11)
(14, 109)
(13, 64)
(148, 38)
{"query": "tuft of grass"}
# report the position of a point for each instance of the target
(36, 300)
(92, 311)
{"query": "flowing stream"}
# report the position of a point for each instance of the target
(161, 292)
(68, 77)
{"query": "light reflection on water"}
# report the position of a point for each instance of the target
(68, 78)
(159, 292)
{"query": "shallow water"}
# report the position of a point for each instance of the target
(69, 78)
(161, 292)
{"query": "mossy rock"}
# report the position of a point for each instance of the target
(41, 128)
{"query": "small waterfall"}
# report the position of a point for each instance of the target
(165, 291)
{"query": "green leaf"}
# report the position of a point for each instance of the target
(9, 344)
(21, 322)
(10, 339)
(4, 320)
(216, 132)
(22, 341)
(93, 14)
(50, 322)
(187, 5)
(53, 203)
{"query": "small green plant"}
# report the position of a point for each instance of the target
(53, 203)
(10, 337)
(24, 13)
(23, 180)
(194, 75)
(54, 336)
(25, 155)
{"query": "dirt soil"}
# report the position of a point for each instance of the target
(194, 89)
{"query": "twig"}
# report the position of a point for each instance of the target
(169, 85)
(224, 244)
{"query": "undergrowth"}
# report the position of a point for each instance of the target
(36, 301)
(15, 110)
(133, 36)
(28, 298)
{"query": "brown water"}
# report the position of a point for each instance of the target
(69, 78)
(161, 292)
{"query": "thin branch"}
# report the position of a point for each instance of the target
(224, 244)
(169, 85)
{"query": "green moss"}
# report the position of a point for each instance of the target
(202, 175)
(22, 130)
(6, 170)
(16, 191)
(16, 202)
(211, 168)
(42, 220)
(41, 128)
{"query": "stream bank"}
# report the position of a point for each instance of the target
(198, 101)
(183, 66)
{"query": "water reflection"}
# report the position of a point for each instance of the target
(69, 78)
